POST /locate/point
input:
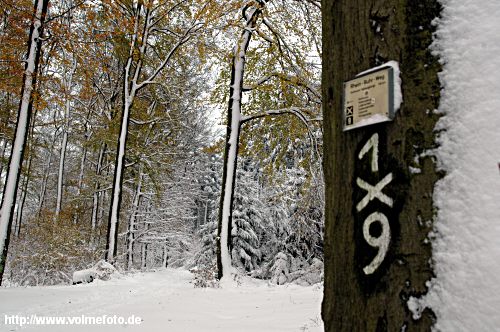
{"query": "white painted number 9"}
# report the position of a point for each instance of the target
(381, 242)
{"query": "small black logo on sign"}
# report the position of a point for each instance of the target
(350, 110)
(348, 120)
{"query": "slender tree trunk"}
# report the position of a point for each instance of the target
(165, 256)
(80, 185)
(131, 85)
(144, 256)
(2, 155)
(64, 145)
(371, 271)
(43, 186)
(21, 132)
(97, 194)
(251, 15)
(205, 215)
(129, 90)
(131, 224)
(22, 199)
(117, 185)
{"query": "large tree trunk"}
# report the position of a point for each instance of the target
(357, 35)
(21, 132)
(251, 15)
(114, 213)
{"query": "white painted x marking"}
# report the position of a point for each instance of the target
(374, 192)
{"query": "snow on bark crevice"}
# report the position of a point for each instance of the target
(465, 295)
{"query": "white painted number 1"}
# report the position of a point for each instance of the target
(383, 240)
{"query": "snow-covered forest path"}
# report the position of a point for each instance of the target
(167, 301)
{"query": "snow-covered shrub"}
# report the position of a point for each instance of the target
(102, 270)
(309, 274)
(205, 276)
(48, 251)
(280, 269)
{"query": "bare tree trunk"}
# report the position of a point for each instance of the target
(131, 224)
(62, 156)
(43, 186)
(144, 256)
(21, 132)
(165, 256)
(2, 155)
(251, 14)
(97, 194)
(375, 162)
(130, 88)
(131, 85)
(22, 198)
(79, 185)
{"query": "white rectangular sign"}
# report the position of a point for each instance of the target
(369, 98)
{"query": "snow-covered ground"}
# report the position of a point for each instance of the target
(466, 293)
(167, 301)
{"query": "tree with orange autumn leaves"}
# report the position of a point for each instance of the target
(122, 88)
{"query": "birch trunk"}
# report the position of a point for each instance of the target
(21, 132)
(251, 15)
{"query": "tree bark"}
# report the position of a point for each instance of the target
(97, 195)
(131, 86)
(357, 35)
(131, 223)
(223, 240)
(45, 178)
(21, 132)
(64, 144)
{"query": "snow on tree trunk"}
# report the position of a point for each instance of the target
(22, 199)
(371, 272)
(2, 155)
(117, 183)
(129, 90)
(138, 45)
(251, 15)
(21, 132)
